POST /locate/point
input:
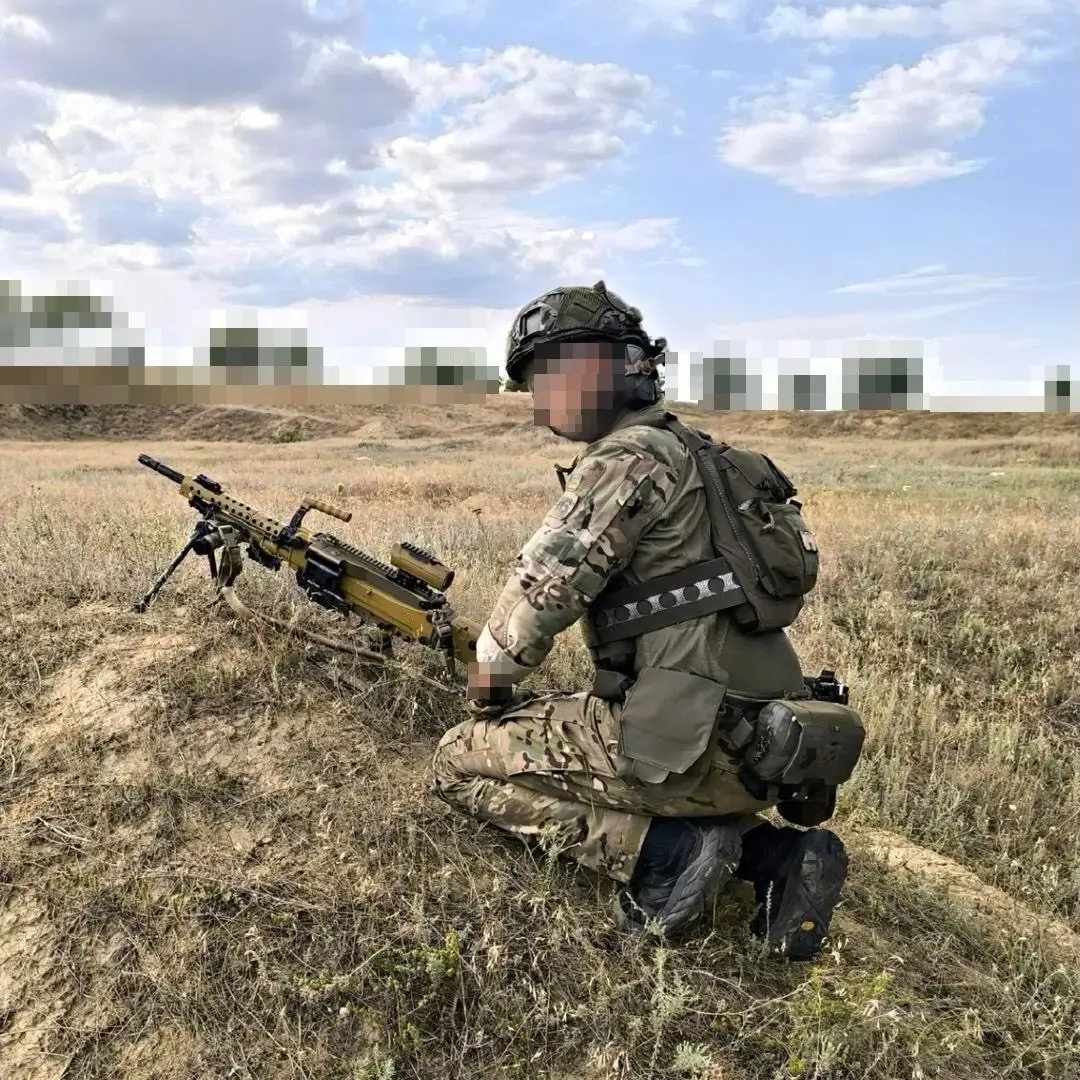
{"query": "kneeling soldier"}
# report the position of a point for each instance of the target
(686, 560)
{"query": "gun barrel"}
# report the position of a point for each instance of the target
(151, 463)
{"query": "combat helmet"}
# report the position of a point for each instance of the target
(578, 313)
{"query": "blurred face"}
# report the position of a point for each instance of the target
(575, 388)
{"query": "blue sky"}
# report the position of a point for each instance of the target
(786, 177)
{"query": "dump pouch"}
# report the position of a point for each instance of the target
(804, 744)
(666, 729)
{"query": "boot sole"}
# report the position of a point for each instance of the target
(694, 888)
(811, 892)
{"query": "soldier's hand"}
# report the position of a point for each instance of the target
(485, 685)
(488, 694)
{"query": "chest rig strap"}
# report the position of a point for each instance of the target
(664, 601)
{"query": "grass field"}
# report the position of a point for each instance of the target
(219, 857)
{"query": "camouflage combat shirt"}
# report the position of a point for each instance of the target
(633, 504)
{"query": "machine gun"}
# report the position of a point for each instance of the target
(404, 599)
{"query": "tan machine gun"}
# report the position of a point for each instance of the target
(405, 599)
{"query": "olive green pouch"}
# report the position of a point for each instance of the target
(666, 729)
(805, 742)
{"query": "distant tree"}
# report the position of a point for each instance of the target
(429, 365)
(247, 349)
(70, 312)
(47, 320)
(234, 347)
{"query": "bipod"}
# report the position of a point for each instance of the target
(206, 537)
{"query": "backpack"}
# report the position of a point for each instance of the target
(757, 527)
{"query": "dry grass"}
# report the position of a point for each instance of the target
(219, 858)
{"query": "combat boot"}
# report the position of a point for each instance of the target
(797, 878)
(682, 865)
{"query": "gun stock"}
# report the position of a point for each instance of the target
(405, 597)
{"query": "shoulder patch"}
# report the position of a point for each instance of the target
(561, 510)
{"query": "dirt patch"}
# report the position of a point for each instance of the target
(990, 905)
(34, 993)
(93, 699)
(92, 743)
(89, 702)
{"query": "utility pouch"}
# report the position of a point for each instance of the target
(801, 744)
(666, 728)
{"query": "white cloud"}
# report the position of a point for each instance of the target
(32, 226)
(456, 10)
(953, 18)
(797, 94)
(966, 17)
(848, 23)
(898, 130)
(936, 281)
(307, 168)
(879, 323)
(554, 122)
(678, 17)
(162, 52)
(13, 179)
(123, 215)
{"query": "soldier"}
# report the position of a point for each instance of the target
(641, 778)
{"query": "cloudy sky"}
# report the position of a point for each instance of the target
(778, 176)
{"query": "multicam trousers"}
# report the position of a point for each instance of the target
(546, 770)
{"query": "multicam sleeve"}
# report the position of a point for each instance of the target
(613, 495)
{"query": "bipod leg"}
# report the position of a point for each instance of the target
(142, 604)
